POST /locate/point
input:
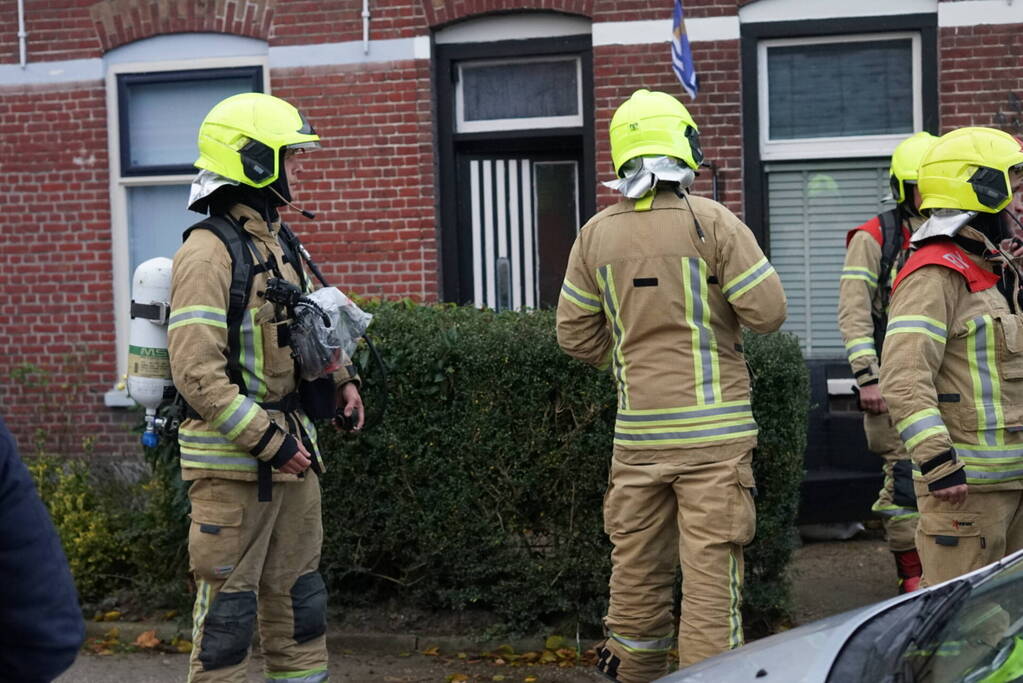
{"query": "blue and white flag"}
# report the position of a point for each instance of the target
(681, 55)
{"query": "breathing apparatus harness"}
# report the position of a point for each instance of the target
(316, 392)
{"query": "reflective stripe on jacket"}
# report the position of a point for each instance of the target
(859, 296)
(953, 371)
(643, 294)
(233, 430)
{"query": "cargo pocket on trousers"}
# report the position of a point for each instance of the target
(214, 538)
(743, 512)
(958, 531)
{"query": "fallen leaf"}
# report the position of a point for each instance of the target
(431, 651)
(499, 677)
(530, 679)
(548, 657)
(180, 644)
(112, 616)
(454, 678)
(554, 643)
(147, 639)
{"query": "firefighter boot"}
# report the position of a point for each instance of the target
(907, 564)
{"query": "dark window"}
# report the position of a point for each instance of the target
(840, 89)
(160, 113)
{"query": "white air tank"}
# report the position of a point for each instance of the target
(149, 375)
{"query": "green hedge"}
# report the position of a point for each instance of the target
(483, 486)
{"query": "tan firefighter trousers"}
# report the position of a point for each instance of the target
(707, 495)
(896, 502)
(954, 540)
(252, 562)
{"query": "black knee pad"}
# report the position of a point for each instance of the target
(309, 604)
(227, 630)
(607, 663)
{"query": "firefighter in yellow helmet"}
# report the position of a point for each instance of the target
(952, 375)
(874, 253)
(248, 446)
(656, 288)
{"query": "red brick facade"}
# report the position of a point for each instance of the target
(979, 69)
(373, 186)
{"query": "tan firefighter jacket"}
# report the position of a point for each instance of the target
(860, 294)
(646, 295)
(233, 430)
(953, 370)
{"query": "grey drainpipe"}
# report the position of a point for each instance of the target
(22, 35)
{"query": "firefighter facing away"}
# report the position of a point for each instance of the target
(656, 288)
(874, 253)
(952, 374)
(248, 445)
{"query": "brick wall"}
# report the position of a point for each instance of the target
(372, 184)
(979, 66)
(55, 267)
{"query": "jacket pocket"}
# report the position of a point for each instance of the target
(1010, 346)
(743, 510)
(214, 538)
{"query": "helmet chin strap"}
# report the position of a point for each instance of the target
(308, 214)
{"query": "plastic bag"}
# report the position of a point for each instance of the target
(326, 324)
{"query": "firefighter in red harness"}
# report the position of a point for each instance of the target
(953, 356)
(874, 253)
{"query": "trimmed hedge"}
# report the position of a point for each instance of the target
(483, 486)
(481, 489)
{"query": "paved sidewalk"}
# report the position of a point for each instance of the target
(349, 668)
(828, 578)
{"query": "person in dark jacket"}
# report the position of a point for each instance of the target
(41, 626)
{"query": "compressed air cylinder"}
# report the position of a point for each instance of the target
(149, 375)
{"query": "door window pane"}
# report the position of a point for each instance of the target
(157, 215)
(557, 222)
(811, 208)
(523, 216)
(161, 114)
(531, 93)
(840, 89)
(514, 91)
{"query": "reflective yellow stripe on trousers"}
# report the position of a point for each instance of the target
(658, 644)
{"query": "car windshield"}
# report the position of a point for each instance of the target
(978, 639)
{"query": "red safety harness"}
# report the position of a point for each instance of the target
(945, 252)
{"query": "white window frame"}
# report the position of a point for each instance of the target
(573, 121)
(852, 146)
(121, 256)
